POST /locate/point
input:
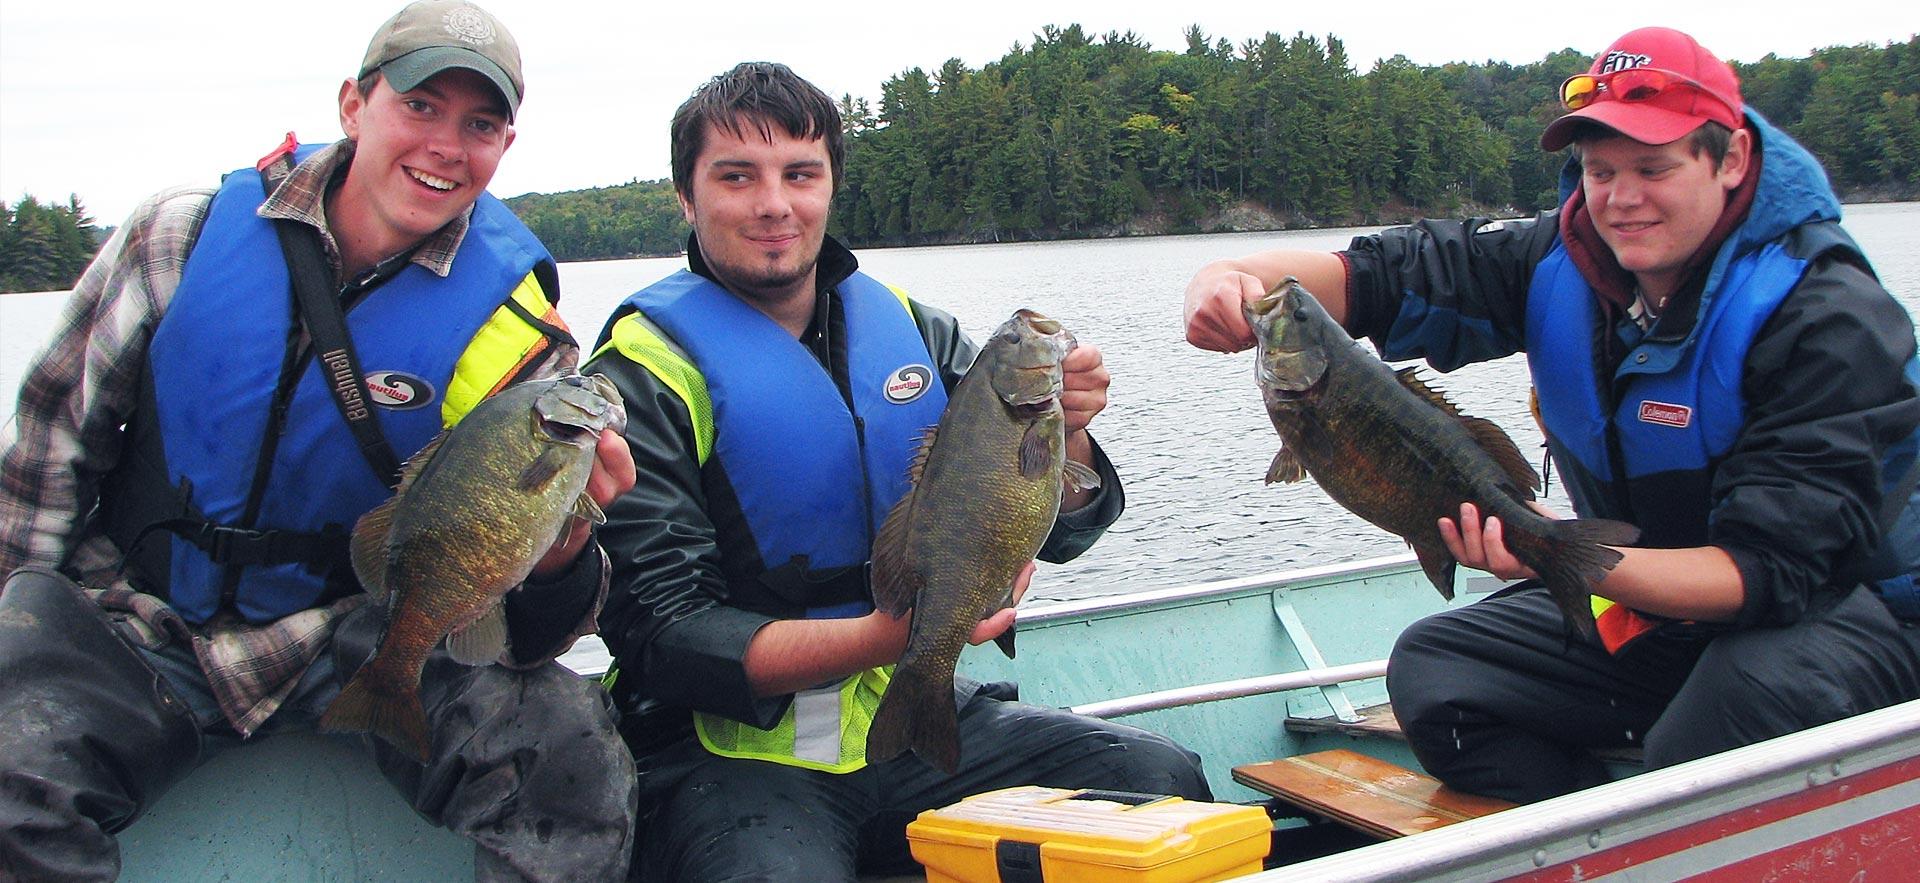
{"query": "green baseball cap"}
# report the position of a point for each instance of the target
(430, 36)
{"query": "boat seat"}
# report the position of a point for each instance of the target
(1375, 720)
(1377, 798)
(1378, 721)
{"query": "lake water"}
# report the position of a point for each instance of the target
(1185, 428)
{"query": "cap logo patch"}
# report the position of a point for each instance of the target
(908, 383)
(469, 25)
(398, 391)
(1619, 61)
(1677, 416)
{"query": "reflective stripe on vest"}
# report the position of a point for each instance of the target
(756, 395)
(502, 352)
(213, 387)
(641, 342)
(824, 729)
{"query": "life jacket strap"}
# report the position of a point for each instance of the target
(243, 547)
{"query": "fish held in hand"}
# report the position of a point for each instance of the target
(475, 511)
(1395, 452)
(987, 485)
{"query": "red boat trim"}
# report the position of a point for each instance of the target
(1845, 816)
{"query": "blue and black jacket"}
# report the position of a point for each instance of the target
(1773, 410)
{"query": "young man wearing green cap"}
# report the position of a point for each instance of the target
(1715, 363)
(242, 368)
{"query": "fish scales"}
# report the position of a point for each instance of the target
(1394, 452)
(986, 489)
(475, 510)
(1355, 443)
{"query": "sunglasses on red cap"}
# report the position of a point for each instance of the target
(1631, 84)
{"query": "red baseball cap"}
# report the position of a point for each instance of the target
(1671, 113)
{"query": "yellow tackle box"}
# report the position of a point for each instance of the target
(1061, 835)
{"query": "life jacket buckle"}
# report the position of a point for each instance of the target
(236, 545)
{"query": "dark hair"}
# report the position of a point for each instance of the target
(1710, 138)
(760, 94)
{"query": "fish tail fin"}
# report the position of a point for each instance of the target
(916, 713)
(1577, 557)
(369, 704)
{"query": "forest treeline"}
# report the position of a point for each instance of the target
(1078, 135)
(45, 246)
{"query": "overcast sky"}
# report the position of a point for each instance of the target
(113, 99)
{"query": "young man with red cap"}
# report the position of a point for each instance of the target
(185, 469)
(1715, 363)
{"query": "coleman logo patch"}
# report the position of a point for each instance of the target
(908, 383)
(398, 391)
(1677, 416)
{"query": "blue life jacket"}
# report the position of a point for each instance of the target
(213, 368)
(1649, 457)
(814, 476)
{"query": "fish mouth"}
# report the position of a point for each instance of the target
(1033, 409)
(578, 408)
(1043, 401)
(1039, 322)
(1279, 390)
(569, 433)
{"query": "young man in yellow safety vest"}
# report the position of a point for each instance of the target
(774, 397)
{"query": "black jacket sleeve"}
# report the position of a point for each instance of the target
(1451, 292)
(677, 636)
(1797, 499)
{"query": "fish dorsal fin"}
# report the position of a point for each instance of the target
(417, 463)
(482, 640)
(1486, 433)
(1506, 455)
(1409, 377)
(894, 581)
(368, 546)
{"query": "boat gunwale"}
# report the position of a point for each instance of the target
(1591, 821)
(1196, 593)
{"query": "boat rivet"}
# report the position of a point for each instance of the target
(1813, 778)
(1593, 840)
(1836, 769)
(1539, 858)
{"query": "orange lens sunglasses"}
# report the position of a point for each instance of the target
(1631, 84)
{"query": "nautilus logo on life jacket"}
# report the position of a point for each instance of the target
(908, 383)
(397, 390)
(1666, 415)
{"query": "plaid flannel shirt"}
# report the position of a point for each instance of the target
(82, 390)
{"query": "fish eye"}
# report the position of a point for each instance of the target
(1300, 315)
